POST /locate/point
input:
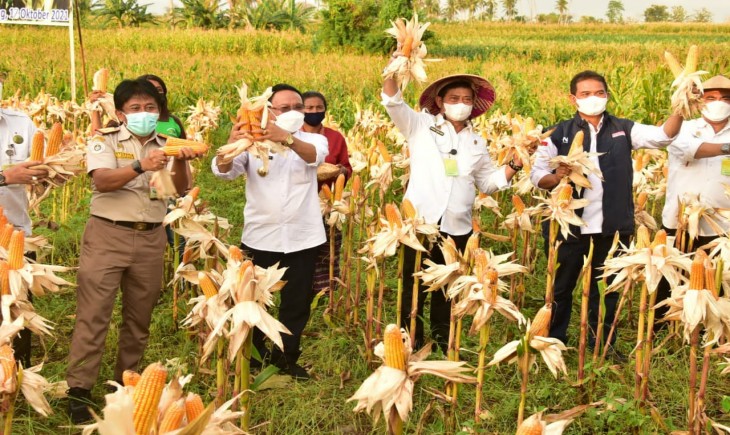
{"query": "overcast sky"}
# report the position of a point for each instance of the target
(633, 8)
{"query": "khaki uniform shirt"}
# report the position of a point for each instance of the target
(133, 202)
(16, 136)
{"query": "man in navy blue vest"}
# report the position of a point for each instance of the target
(611, 205)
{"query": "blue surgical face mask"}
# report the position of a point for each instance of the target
(142, 123)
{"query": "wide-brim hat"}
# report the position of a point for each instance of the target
(483, 93)
(717, 82)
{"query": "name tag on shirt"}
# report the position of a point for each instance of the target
(123, 155)
(618, 133)
(725, 167)
(451, 168)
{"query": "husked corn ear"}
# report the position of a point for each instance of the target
(641, 200)
(3, 218)
(540, 326)
(325, 193)
(383, 150)
(193, 406)
(491, 279)
(407, 209)
(472, 244)
(697, 272)
(475, 227)
(194, 192)
(395, 355)
(173, 418)
(207, 285)
(577, 145)
(173, 145)
(518, 204)
(407, 46)
(673, 63)
(710, 279)
(643, 238)
(356, 186)
(16, 250)
(36, 149)
(6, 234)
(392, 215)
(101, 78)
(565, 193)
(235, 253)
(339, 187)
(530, 426)
(481, 262)
(4, 278)
(660, 238)
(130, 378)
(693, 56)
(147, 395)
(55, 137)
(7, 362)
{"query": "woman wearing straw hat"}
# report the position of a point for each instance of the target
(448, 159)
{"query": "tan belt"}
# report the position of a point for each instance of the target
(138, 226)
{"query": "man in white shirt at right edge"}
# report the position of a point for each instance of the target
(699, 164)
(611, 204)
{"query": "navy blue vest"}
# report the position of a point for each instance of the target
(614, 141)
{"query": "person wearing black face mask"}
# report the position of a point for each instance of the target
(315, 109)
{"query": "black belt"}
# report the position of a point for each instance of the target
(139, 226)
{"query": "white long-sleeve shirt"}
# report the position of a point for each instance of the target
(282, 209)
(16, 135)
(435, 195)
(642, 136)
(688, 175)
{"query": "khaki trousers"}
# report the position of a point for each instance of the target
(114, 257)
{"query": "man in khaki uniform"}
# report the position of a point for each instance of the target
(124, 241)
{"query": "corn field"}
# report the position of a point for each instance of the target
(676, 380)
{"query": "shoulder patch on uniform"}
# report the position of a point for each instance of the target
(96, 147)
(108, 130)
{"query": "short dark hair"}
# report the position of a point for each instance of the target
(314, 94)
(586, 75)
(164, 111)
(283, 87)
(454, 85)
(128, 89)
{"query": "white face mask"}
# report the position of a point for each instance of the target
(592, 105)
(290, 121)
(716, 111)
(457, 112)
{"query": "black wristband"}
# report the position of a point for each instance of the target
(514, 167)
(137, 166)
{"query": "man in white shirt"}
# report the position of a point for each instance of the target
(611, 206)
(448, 160)
(282, 220)
(699, 165)
(16, 137)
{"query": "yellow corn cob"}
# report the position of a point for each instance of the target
(4, 278)
(491, 282)
(660, 238)
(540, 326)
(3, 218)
(643, 238)
(641, 200)
(475, 228)
(193, 406)
(194, 192)
(577, 145)
(383, 150)
(207, 285)
(147, 395)
(356, 185)
(665, 170)
(55, 137)
(392, 215)
(565, 193)
(173, 418)
(710, 280)
(407, 209)
(36, 149)
(254, 118)
(531, 426)
(101, 78)
(407, 46)
(472, 243)
(325, 193)
(518, 204)
(693, 56)
(339, 187)
(481, 263)
(6, 234)
(130, 378)
(673, 63)
(9, 366)
(372, 155)
(395, 355)
(697, 272)
(235, 253)
(173, 145)
(16, 250)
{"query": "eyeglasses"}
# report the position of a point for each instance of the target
(284, 109)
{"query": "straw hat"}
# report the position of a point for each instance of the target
(717, 82)
(483, 93)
